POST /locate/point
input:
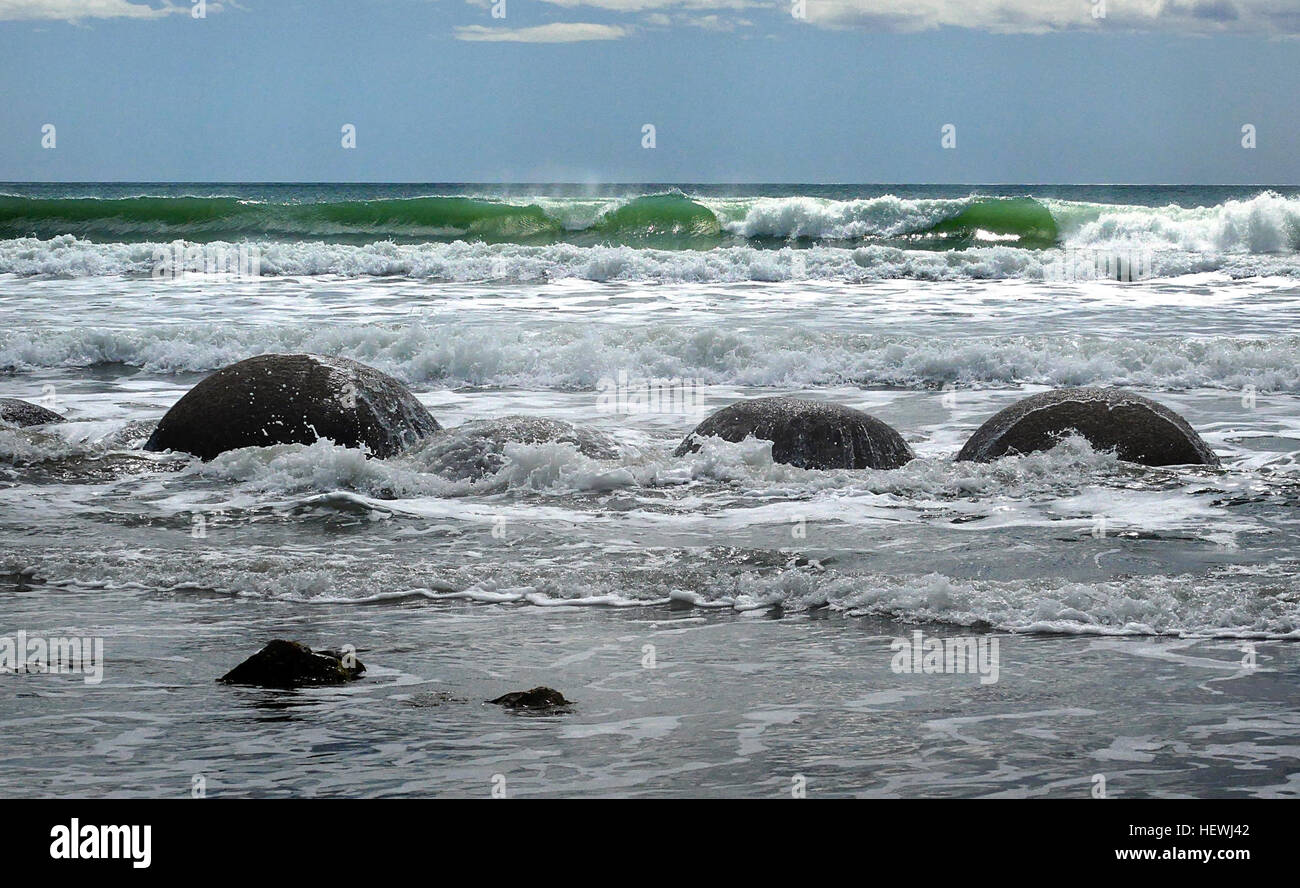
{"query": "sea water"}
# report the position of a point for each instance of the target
(727, 625)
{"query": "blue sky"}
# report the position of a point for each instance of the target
(737, 90)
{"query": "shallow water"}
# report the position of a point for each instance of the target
(734, 706)
(1124, 599)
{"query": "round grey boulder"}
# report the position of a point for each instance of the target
(477, 448)
(24, 413)
(1138, 429)
(293, 399)
(807, 434)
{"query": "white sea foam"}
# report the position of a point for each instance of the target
(572, 356)
(1266, 223)
(1238, 603)
(824, 219)
(66, 256)
(743, 468)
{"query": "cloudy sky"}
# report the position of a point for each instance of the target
(736, 90)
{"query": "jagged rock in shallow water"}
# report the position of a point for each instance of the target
(288, 664)
(24, 413)
(477, 448)
(537, 698)
(293, 399)
(808, 434)
(1137, 428)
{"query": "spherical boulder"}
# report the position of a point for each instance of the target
(293, 399)
(24, 413)
(1138, 429)
(477, 448)
(807, 434)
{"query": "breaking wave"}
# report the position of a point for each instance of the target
(659, 237)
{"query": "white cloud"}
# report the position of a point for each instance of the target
(711, 22)
(558, 32)
(646, 5)
(1003, 16)
(1038, 16)
(76, 10)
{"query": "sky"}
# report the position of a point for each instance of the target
(855, 91)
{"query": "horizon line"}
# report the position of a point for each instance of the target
(632, 182)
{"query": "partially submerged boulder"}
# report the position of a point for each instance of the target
(288, 664)
(477, 448)
(293, 399)
(1138, 429)
(24, 413)
(537, 698)
(808, 434)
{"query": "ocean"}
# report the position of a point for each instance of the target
(726, 625)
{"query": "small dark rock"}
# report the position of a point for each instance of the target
(537, 698)
(25, 413)
(288, 664)
(807, 434)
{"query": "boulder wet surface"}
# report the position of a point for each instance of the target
(289, 664)
(293, 399)
(24, 413)
(1138, 429)
(537, 698)
(807, 434)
